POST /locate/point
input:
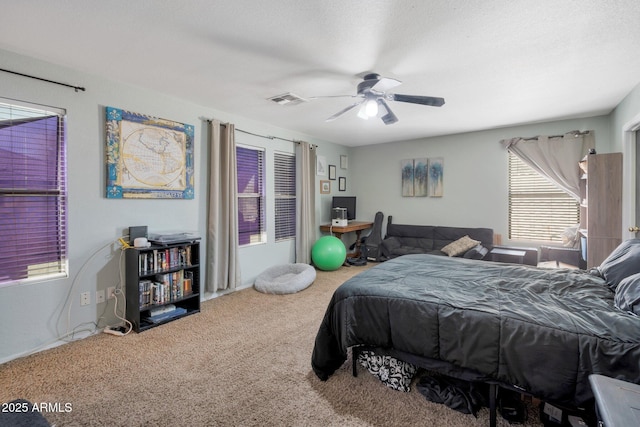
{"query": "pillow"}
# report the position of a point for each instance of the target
(477, 252)
(570, 237)
(388, 245)
(394, 373)
(628, 294)
(623, 262)
(460, 246)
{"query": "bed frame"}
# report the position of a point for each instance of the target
(503, 319)
(448, 369)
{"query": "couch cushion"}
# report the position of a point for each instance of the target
(477, 252)
(416, 231)
(408, 250)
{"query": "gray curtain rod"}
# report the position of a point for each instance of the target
(261, 136)
(76, 88)
(575, 133)
(266, 136)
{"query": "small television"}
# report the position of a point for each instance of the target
(347, 202)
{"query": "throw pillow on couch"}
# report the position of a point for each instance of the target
(460, 246)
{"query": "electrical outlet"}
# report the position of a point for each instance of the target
(99, 296)
(111, 292)
(85, 298)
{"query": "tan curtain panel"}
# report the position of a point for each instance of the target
(223, 269)
(306, 197)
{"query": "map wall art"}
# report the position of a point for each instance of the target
(148, 157)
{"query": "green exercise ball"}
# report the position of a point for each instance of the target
(328, 253)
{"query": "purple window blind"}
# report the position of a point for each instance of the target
(251, 212)
(285, 195)
(33, 194)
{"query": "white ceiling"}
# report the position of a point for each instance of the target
(496, 62)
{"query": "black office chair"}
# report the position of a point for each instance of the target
(372, 242)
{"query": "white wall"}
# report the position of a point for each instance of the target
(625, 119)
(35, 315)
(475, 175)
(627, 110)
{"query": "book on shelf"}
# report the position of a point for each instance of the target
(145, 292)
(187, 256)
(165, 288)
(150, 261)
(187, 285)
(187, 289)
(161, 310)
(174, 312)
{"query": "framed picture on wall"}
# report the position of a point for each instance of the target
(436, 177)
(332, 172)
(321, 166)
(406, 168)
(343, 161)
(342, 183)
(148, 157)
(325, 187)
(420, 172)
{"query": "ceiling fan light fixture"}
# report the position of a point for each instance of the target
(371, 108)
(368, 109)
(362, 112)
(373, 94)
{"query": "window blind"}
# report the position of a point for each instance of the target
(251, 210)
(538, 210)
(33, 193)
(285, 195)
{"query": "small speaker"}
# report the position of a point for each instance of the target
(135, 232)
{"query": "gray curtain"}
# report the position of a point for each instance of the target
(305, 201)
(223, 269)
(555, 157)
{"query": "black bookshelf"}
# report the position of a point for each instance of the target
(162, 284)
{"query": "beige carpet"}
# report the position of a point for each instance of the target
(243, 361)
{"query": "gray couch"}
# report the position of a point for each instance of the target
(401, 239)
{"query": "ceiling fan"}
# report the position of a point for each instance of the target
(373, 95)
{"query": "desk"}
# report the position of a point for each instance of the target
(356, 226)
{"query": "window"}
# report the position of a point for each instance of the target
(285, 195)
(33, 193)
(251, 219)
(538, 210)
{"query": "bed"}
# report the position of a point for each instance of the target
(540, 331)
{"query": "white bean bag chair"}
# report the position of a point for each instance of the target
(285, 279)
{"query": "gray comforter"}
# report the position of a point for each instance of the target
(542, 331)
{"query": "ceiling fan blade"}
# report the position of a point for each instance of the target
(341, 112)
(385, 83)
(424, 100)
(389, 118)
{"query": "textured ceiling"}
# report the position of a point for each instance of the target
(496, 62)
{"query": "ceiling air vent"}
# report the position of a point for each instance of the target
(287, 99)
